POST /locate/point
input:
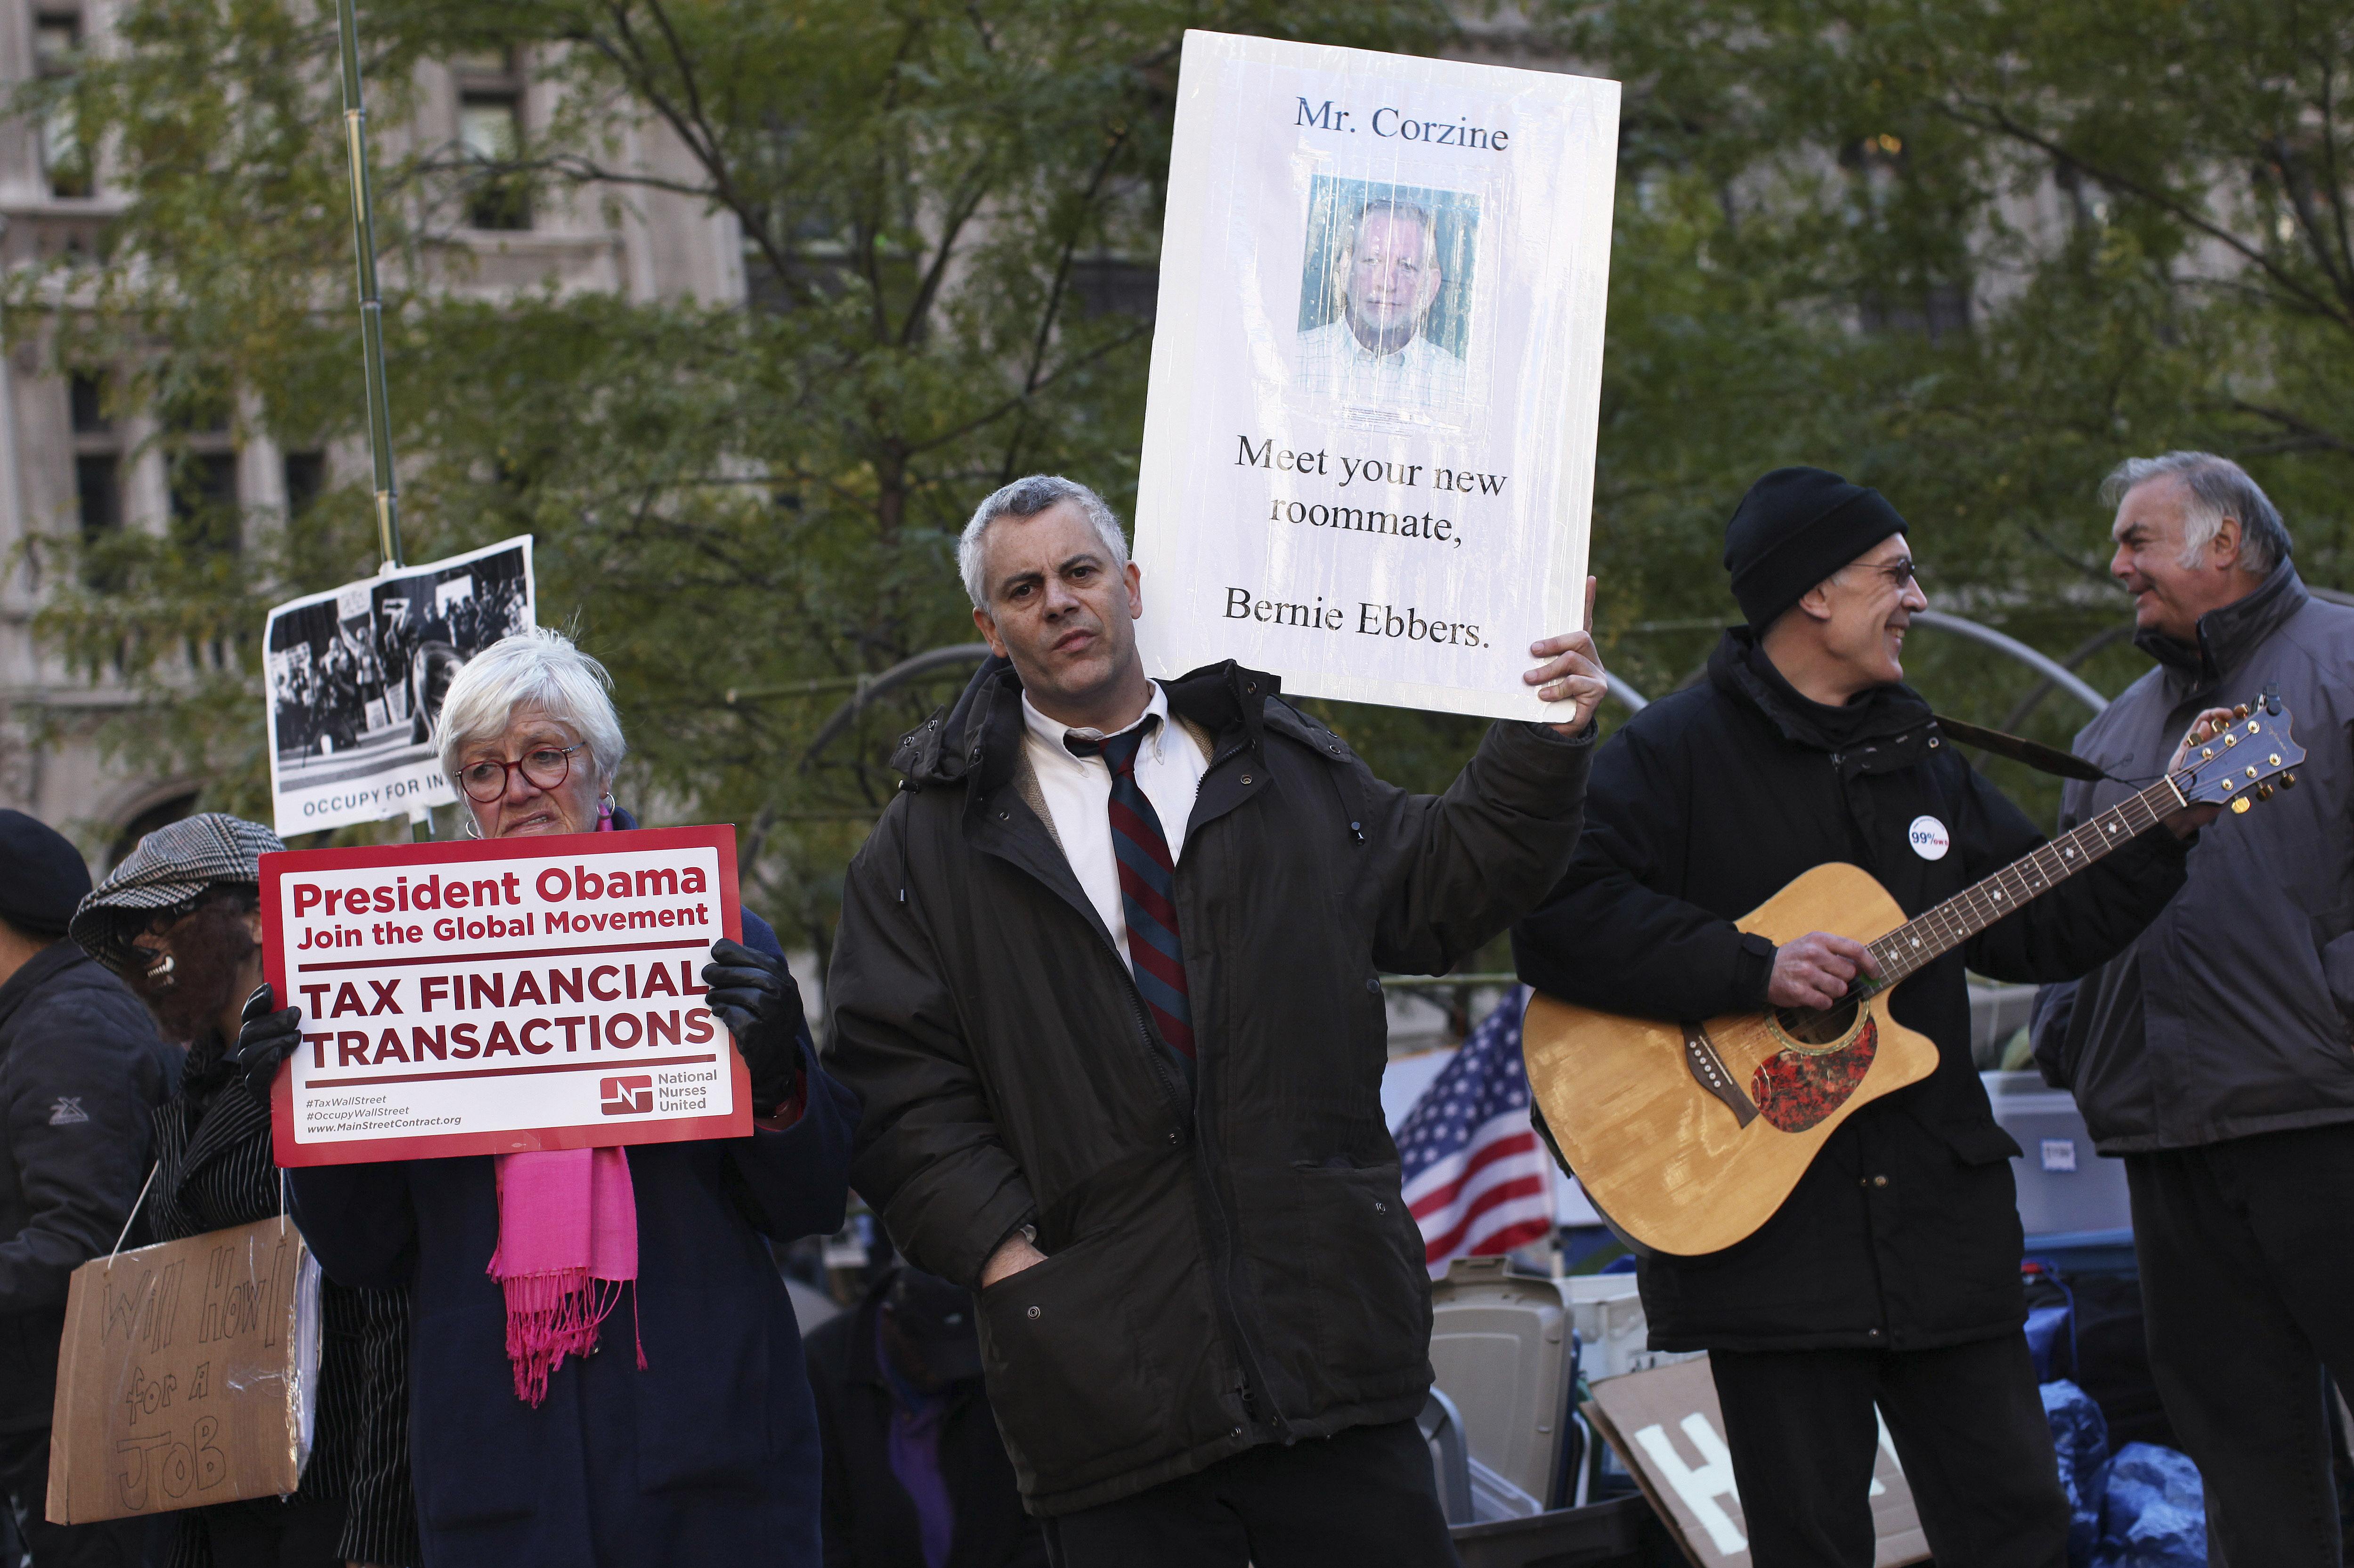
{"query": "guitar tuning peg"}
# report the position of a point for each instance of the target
(2264, 792)
(2289, 780)
(2240, 712)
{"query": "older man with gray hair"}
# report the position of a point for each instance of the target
(1109, 983)
(2214, 1055)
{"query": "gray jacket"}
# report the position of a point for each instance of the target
(2233, 1012)
(81, 1071)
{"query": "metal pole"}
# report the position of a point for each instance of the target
(387, 493)
(387, 488)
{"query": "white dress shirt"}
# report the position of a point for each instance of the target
(1169, 768)
(1421, 375)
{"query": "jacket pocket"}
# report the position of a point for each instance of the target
(1073, 1384)
(1339, 1265)
(2337, 973)
(478, 1454)
(703, 1402)
(1978, 1143)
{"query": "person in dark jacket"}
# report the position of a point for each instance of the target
(692, 1440)
(180, 921)
(1890, 1275)
(916, 1475)
(1109, 983)
(81, 1072)
(2213, 1054)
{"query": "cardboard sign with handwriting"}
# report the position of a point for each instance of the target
(1669, 1433)
(189, 1375)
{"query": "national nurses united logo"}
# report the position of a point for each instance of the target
(628, 1096)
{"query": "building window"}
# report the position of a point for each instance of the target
(87, 395)
(1107, 285)
(161, 814)
(98, 480)
(57, 46)
(489, 133)
(306, 477)
(205, 502)
(99, 487)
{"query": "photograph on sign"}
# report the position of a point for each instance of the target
(489, 997)
(1388, 266)
(1368, 460)
(357, 678)
(1669, 1431)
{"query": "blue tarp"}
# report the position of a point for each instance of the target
(2081, 1438)
(2143, 1509)
(2154, 1514)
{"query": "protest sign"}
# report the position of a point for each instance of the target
(488, 998)
(1669, 1433)
(357, 678)
(187, 1375)
(1368, 456)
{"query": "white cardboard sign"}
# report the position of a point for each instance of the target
(1368, 460)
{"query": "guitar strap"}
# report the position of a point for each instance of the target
(2035, 753)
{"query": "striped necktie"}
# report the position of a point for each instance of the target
(1148, 885)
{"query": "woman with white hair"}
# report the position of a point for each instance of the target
(694, 1439)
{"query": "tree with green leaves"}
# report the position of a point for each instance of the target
(948, 217)
(1971, 255)
(1974, 255)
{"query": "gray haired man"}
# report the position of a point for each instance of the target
(1109, 985)
(2213, 1054)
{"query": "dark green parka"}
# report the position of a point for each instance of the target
(1229, 1259)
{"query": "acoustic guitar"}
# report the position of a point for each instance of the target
(1688, 1136)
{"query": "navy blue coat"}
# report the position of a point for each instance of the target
(711, 1454)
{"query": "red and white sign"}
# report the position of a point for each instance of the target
(490, 997)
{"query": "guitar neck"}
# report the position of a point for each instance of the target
(1928, 936)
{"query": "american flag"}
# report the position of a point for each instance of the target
(1477, 1177)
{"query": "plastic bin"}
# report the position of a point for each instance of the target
(1499, 1346)
(1613, 1336)
(2064, 1187)
(1604, 1535)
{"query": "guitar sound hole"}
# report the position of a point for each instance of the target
(1812, 1026)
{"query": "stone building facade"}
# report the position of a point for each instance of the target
(69, 463)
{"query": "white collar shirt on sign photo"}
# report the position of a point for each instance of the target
(1334, 361)
(1077, 790)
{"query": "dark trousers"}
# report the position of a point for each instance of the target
(1366, 1497)
(265, 1533)
(2246, 1250)
(1969, 1432)
(111, 1544)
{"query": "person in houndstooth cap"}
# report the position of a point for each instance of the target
(180, 921)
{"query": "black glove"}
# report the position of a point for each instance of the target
(264, 1039)
(756, 997)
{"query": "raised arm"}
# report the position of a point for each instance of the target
(1462, 866)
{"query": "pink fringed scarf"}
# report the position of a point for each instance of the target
(567, 1245)
(567, 1229)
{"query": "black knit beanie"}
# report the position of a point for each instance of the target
(42, 876)
(1796, 527)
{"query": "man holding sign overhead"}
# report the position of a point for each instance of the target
(1107, 980)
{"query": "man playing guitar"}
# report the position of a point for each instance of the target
(1890, 1275)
